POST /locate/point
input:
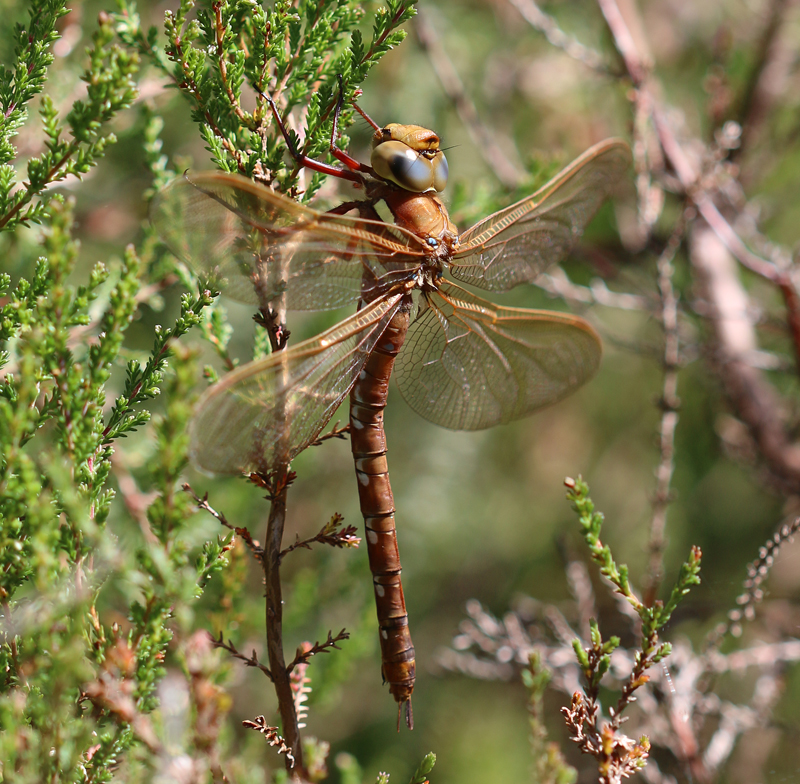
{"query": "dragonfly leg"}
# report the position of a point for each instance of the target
(366, 116)
(344, 208)
(304, 160)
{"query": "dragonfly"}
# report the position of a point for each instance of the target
(459, 360)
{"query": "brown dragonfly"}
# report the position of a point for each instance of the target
(459, 360)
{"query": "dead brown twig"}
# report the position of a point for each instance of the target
(202, 503)
(250, 661)
(306, 651)
(330, 534)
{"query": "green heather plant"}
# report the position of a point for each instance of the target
(80, 678)
(617, 756)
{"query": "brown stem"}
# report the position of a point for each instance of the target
(250, 661)
(202, 503)
(753, 398)
(275, 312)
(274, 620)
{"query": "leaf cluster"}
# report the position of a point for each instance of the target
(73, 144)
(234, 51)
(78, 689)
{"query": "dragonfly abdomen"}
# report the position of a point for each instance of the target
(368, 440)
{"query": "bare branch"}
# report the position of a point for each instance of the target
(754, 399)
(768, 77)
(558, 284)
(250, 661)
(669, 415)
(334, 432)
(757, 572)
(202, 503)
(329, 534)
(306, 651)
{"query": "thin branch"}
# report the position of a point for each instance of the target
(305, 652)
(636, 66)
(557, 283)
(580, 585)
(190, 86)
(202, 503)
(754, 398)
(757, 572)
(136, 502)
(329, 534)
(274, 618)
(773, 61)
(250, 661)
(335, 432)
(219, 32)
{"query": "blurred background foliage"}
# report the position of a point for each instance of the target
(483, 515)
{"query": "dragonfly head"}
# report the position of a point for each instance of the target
(409, 156)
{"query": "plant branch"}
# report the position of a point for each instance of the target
(250, 661)
(753, 397)
(329, 534)
(305, 652)
(335, 432)
(546, 25)
(202, 503)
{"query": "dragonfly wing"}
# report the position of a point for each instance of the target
(468, 364)
(255, 244)
(517, 244)
(270, 410)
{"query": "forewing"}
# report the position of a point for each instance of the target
(256, 244)
(468, 364)
(517, 244)
(270, 410)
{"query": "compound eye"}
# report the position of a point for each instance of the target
(440, 172)
(398, 163)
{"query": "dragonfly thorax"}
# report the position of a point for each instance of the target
(425, 215)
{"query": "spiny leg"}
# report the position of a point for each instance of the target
(354, 167)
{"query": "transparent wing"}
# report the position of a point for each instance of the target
(517, 244)
(468, 364)
(255, 244)
(270, 410)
